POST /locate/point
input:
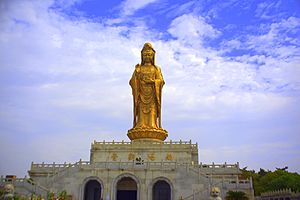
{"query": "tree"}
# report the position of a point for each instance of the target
(266, 180)
(236, 195)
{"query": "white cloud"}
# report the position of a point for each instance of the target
(99, 54)
(62, 75)
(275, 37)
(128, 7)
(191, 27)
(232, 44)
(263, 9)
(273, 66)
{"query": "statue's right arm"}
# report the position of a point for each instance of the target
(137, 68)
(133, 77)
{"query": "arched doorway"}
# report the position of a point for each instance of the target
(92, 190)
(161, 191)
(126, 189)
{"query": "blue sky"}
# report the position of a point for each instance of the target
(231, 69)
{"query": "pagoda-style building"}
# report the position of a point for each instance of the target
(147, 167)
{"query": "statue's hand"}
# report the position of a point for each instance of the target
(148, 80)
(151, 80)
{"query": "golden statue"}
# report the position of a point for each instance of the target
(146, 83)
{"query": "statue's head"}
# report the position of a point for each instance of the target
(148, 54)
(215, 192)
(9, 188)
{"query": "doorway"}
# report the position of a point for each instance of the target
(92, 190)
(161, 191)
(126, 189)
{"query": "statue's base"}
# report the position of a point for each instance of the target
(144, 134)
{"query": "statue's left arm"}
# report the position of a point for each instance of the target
(159, 83)
(135, 85)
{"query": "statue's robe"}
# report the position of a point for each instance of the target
(137, 85)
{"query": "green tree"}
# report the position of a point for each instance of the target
(236, 195)
(266, 180)
(62, 195)
(50, 195)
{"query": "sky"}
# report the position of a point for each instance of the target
(232, 73)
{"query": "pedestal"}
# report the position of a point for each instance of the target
(154, 134)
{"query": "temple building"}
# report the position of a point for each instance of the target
(147, 167)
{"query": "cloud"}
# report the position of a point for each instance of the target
(172, 10)
(272, 55)
(244, 153)
(264, 9)
(64, 77)
(189, 27)
(277, 35)
(129, 7)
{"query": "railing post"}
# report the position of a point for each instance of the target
(199, 174)
(223, 181)
(53, 169)
(193, 194)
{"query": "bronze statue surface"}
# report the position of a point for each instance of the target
(147, 83)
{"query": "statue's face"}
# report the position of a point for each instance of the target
(147, 56)
(215, 192)
(8, 188)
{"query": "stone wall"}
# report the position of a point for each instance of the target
(175, 163)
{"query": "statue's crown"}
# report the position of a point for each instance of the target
(148, 46)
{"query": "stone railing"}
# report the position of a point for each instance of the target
(137, 165)
(238, 184)
(180, 142)
(29, 185)
(279, 194)
(222, 184)
(219, 166)
(199, 195)
(55, 167)
(218, 169)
